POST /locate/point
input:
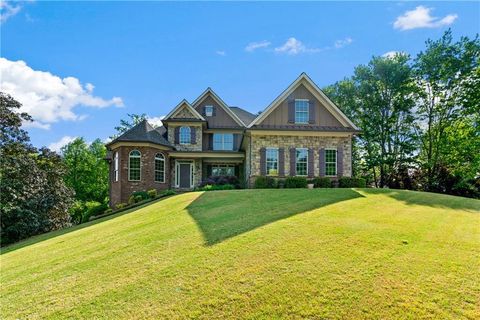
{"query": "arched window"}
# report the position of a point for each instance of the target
(115, 166)
(134, 165)
(185, 135)
(159, 168)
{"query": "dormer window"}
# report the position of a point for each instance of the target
(208, 111)
(301, 111)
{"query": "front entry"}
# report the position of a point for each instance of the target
(185, 175)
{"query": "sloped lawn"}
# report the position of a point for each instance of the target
(259, 254)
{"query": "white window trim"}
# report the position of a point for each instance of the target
(140, 157)
(223, 141)
(162, 158)
(177, 172)
(266, 161)
(116, 174)
(180, 135)
(295, 111)
(211, 109)
(336, 162)
(300, 175)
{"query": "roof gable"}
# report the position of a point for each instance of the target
(210, 93)
(305, 80)
(184, 111)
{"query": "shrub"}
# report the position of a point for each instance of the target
(168, 192)
(120, 206)
(221, 180)
(209, 187)
(94, 208)
(295, 182)
(152, 193)
(141, 194)
(264, 182)
(77, 211)
(322, 182)
(109, 210)
(347, 182)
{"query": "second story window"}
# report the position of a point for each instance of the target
(301, 111)
(222, 141)
(272, 161)
(185, 135)
(208, 111)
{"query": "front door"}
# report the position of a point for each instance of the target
(185, 175)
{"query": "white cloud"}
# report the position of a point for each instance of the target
(8, 10)
(155, 121)
(252, 46)
(47, 97)
(293, 46)
(221, 52)
(392, 54)
(343, 42)
(421, 18)
(56, 146)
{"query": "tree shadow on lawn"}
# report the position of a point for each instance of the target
(221, 215)
(435, 200)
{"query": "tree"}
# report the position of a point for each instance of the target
(447, 74)
(33, 196)
(125, 125)
(87, 170)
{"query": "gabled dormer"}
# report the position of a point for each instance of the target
(216, 112)
(185, 127)
(303, 106)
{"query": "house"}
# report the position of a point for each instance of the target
(301, 133)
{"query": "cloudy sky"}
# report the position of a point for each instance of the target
(78, 68)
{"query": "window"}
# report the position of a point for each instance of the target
(272, 161)
(330, 162)
(223, 170)
(134, 165)
(208, 111)
(301, 111)
(115, 167)
(185, 135)
(301, 162)
(159, 168)
(222, 141)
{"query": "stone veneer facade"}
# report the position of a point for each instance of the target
(252, 153)
(187, 147)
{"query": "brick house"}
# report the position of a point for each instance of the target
(301, 133)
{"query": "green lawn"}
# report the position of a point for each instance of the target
(257, 254)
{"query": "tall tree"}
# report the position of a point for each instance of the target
(126, 124)
(445, 72)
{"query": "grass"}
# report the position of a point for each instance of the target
(258, 254)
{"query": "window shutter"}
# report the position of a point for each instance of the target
(210, 141)
(203, 111)
(263, 163)
(214, 111)
(310, 163)
(321, 156)
(340, 162)
(311, 111)
(292, 161)
(176, 131)
(193, 136)
(235, 142)
(291, 111)
(281, 162)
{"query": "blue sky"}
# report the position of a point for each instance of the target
(87, 64)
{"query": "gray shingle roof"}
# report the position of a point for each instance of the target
(144, 132)
(244, 115)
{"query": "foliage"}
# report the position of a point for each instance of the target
(265, 182)
(168, 192)
(268, 237)
(125, 125)
(214, 187)
(221, 180)
(87, 172)
(119, 206)
(322, 182)
(152, 193)
(347, 182)
(295, 182)
(33, 195)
